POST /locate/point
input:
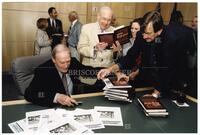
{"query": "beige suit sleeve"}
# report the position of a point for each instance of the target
(85, 47)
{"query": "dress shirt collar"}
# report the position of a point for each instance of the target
(73, 23)
(99, 28)
(51, 21)
(60, 73)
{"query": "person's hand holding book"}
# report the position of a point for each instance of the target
(103, 73)
(133, 74)
(101, 46)
(122, 78)
(116, 47)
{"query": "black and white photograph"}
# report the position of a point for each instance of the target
(106, 114)
(34, 119)
(83, 118)
(67, 128)
(110, 116)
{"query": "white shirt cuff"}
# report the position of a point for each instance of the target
(55, 98)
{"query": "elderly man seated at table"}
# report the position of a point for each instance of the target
(54, 80)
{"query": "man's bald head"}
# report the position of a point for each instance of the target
(60, 48)
(61, 57)
(104, 17)
(105, 10)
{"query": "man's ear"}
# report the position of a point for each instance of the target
(54, 61)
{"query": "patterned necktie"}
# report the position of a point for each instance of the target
(64, 80)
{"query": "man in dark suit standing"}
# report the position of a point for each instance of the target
(55, 80)
(74, 33)
(54, 24)
(160, 51)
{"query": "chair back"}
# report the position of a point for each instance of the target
(23, 70)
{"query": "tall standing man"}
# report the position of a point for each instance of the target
(54, 24)
(93, 52)
(74, 33)
(159, 46)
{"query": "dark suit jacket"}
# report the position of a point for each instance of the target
(47, 82)
(58, 30)
(160, 65)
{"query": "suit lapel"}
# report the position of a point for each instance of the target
(57, 81)
(74, 27)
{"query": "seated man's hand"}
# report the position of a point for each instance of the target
(66, 100)
(122, 78)
(103, 73)
(101, 46)
(133, 74)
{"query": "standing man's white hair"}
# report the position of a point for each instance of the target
(105, 9)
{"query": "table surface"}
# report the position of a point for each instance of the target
(180, 120)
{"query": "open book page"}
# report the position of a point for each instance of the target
(111, 116)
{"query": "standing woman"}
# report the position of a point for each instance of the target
(42, 42)
(135, 27)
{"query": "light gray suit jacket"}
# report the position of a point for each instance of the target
(74, 34)
(42, 43)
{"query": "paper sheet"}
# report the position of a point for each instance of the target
(18, 126)
(181, 105)
(88, 118)
(110, 116)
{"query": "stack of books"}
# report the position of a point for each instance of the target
(152, 106)
(118, 92)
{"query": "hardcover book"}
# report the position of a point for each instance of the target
(150, 104)
(157, 114)
(120, 34)
(117, 92)
(115, 84)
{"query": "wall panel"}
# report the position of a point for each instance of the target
(28, 6)
(123, 10)
(20, 26)
(19, 20)
(11, 50)
(142, 8)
